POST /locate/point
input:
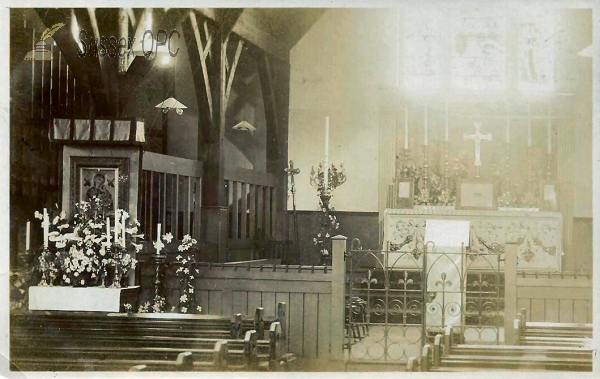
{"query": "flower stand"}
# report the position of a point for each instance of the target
(83, 299)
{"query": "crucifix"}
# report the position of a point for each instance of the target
(477, 137)
(291, 171)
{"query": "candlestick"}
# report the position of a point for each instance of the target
(158, 238)
(123, 229)
(426, 127)
(529, 126)
(446, 120)
(549, 131)
(405, 127)
(108, 230)
(27, 235)
(116, 228)
(45, 225)
(326, 152)
(507, 123)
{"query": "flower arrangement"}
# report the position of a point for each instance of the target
(83, 252)
(185, 273)
(327, 224)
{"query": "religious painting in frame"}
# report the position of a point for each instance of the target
(549, 197)
(104, 178)
(476, 194)
(404, 191)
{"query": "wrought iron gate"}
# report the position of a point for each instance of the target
(397, 300)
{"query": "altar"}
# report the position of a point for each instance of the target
(538, 234)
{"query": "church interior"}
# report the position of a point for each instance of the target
(302, 189)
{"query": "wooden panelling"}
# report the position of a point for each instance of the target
(240, 302)
(254, 300)
(323, 322)
(311, 310)
(296, 325)
(552, 310)
(268, 301)
(565, 310)
(579, 315)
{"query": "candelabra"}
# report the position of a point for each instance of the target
(335, 178)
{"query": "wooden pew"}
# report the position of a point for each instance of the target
(551, 334)
(445, 355)
(153, 337)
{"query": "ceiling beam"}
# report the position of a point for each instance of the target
(247, 27)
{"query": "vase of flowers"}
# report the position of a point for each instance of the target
(84, 251)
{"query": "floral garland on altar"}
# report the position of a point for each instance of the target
(99, 248)
(84, 252)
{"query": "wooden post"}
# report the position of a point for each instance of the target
(338, 297)
(510, 292)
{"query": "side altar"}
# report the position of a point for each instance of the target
(538, 234)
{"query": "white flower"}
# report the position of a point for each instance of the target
(158, 245)
(55, 220)
(67, 280)
(102, 251)
(75, 274)
(183, 298)
(186, 271)
(60, 244)
(63, 226)
(38, 215)
(184, 309)
(179, 257)
(191, 290)
(63, 215)
(199, 308)
(182, 248)
(168, 237)
(82, 282)
(137, 247)
(131, 230)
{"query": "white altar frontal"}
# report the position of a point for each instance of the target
(538, 235)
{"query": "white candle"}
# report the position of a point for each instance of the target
(27, 235)
(447, 120)
(508, 124)
(426, 127)
(405, 127)
(326, 152)
(116, 239)
(529, 126)
(108, 230)
(158, 238)
(123, 229)
(549, 131)
(45, 225)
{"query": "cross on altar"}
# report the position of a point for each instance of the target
(477, 137)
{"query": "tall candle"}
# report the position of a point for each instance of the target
(123, 229)
(529, 126)
(549, 131)
(27, 235)
(446, 120)
(405, 127)
(45, 225)
(108, 229)
(426, 127)
(116, 239)
(326, 152)
(507, 123)
(158, 238)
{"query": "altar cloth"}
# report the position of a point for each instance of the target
(90, 299)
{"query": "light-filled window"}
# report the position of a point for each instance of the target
(474, 49)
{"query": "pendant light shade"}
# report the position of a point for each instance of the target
(171, 103)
